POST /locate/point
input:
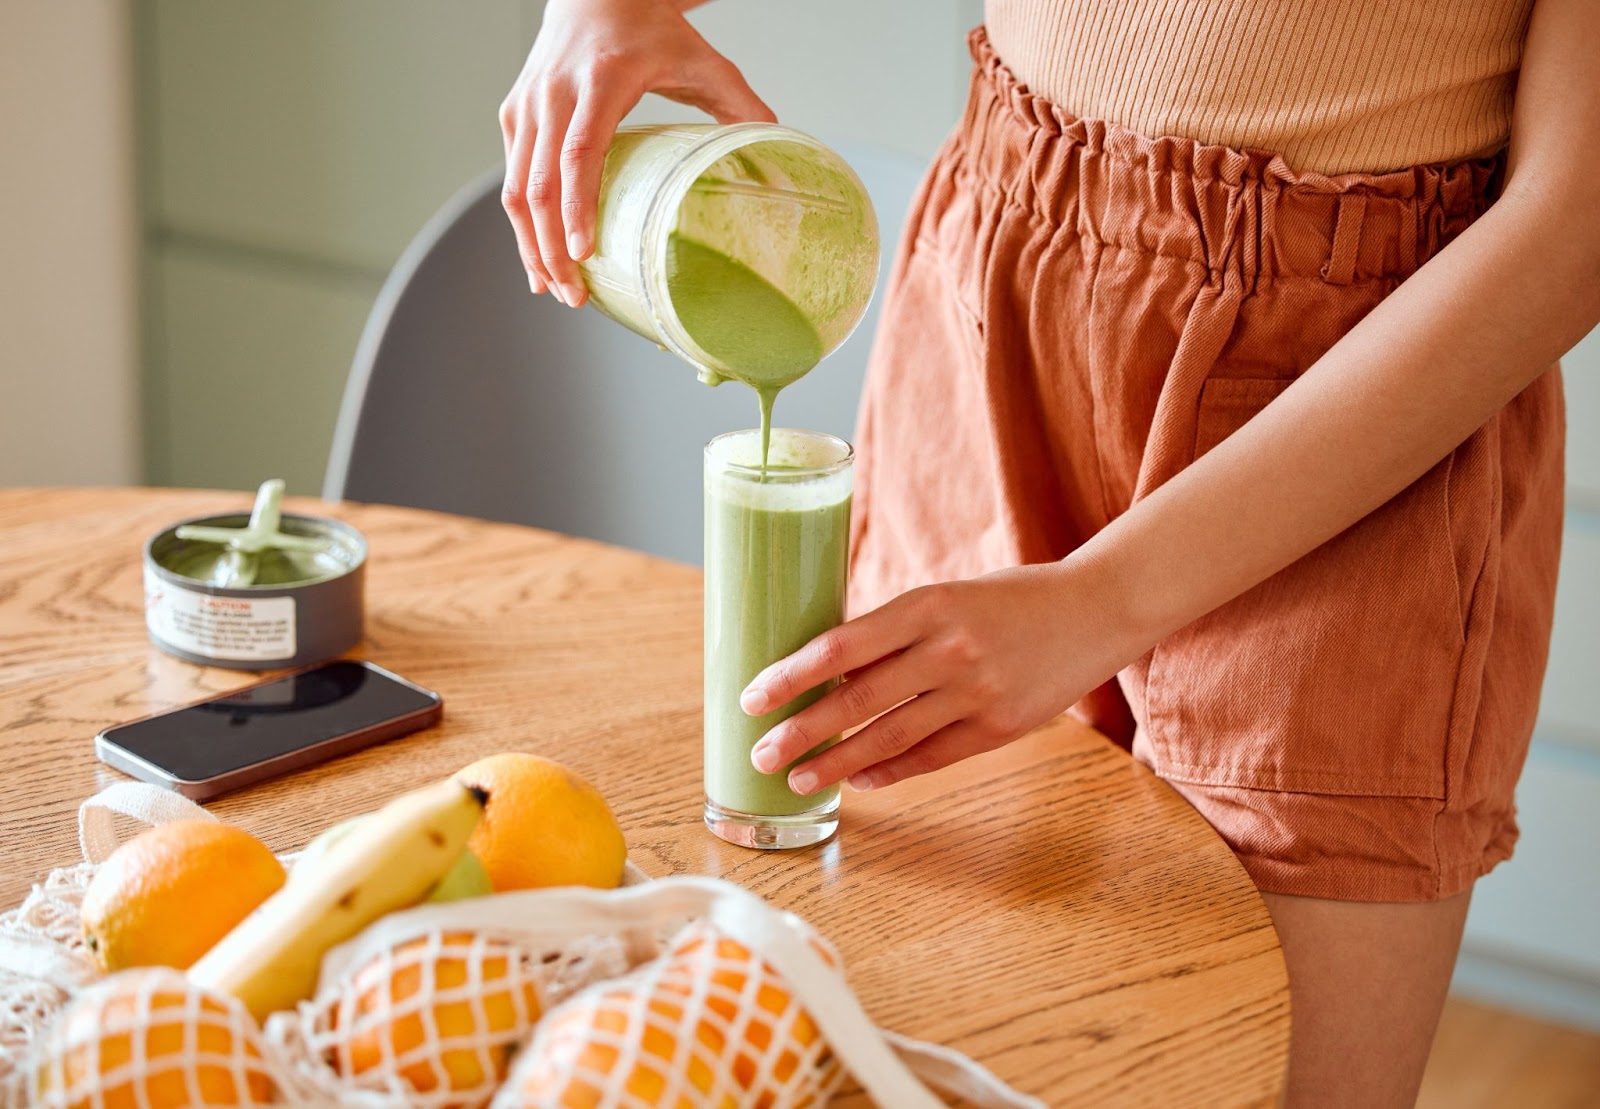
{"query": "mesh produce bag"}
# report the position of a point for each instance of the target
(683, 992)
(704, 1018)
(146, 1037)
(428, 1012)
(708, 1023)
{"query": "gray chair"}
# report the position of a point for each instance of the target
(470, 395)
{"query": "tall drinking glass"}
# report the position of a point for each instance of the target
(777, 544)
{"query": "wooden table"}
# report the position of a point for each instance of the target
(1052, 909)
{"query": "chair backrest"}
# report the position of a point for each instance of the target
(470, 395)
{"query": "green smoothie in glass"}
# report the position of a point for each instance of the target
(751, 253)
(776, 552)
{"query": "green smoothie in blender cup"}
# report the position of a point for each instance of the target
(749, 250)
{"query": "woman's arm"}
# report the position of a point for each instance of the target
(985, 660)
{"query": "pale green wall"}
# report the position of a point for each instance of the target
(289, 152)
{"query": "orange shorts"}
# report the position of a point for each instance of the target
(1076, 313)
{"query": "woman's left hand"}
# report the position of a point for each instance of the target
(953, 669)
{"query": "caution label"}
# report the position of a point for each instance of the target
(234, 628)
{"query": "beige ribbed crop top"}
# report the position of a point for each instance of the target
(1334, 86)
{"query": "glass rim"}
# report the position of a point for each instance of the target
(843, 462)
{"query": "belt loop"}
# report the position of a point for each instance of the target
(1340, 268)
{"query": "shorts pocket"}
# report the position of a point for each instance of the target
(1337, 674)
(960, 322)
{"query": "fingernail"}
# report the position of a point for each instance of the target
(860, 782)
(764, 758)
(574, 295)
(802, 781)
(535, 286)
(555, 291)
(577, 246)
(753, 701)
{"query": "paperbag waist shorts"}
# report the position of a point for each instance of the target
(1077, 312)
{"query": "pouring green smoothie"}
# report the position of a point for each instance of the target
(750, 251)
(742, 320)
(777, 525)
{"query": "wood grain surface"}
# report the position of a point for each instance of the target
(1052, 909)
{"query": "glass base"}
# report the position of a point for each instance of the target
(773, 833)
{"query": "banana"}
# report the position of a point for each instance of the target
(389, 861)
(466, 879)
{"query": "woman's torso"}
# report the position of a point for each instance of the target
(1334, 86)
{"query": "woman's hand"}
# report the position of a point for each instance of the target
(592, 62)
(955, 669)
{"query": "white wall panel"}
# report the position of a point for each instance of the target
(891, 72)
(1570, 711)
(69, 410)
(1581, 369)
(1542, 909)
(328, 130)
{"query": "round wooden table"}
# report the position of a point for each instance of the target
(1052, 909)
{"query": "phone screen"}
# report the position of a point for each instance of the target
(270, 720)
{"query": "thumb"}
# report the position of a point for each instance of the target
(723, 93)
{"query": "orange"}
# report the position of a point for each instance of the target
(446, 1014)
(167, 896)
(543, 826)
(711, 1023)
(147, 1039)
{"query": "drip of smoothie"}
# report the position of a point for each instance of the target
(756, 334)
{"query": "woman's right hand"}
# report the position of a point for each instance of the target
(590, 64)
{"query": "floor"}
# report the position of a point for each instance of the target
(1487, 1058)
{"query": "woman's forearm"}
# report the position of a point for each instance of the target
(1427, 367)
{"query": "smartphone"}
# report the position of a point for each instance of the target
(269, 729)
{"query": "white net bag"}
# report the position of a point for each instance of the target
(430, 1015)
(745, 1006)
(683, 992)
(42, 963)
(429, 1020)
(149, 1038)
(438, 1017)
(43, 960)
(708, 1023)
